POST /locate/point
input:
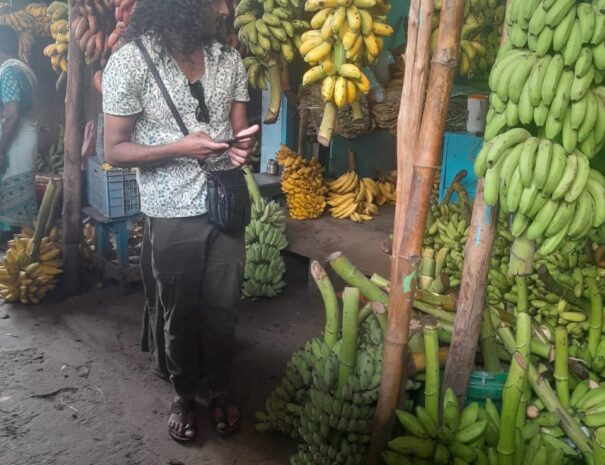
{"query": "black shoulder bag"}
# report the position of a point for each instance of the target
(228, 200)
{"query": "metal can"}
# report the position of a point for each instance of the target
(272, 167)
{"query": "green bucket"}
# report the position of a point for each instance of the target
(483, 386)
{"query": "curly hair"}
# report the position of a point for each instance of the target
(178, 25)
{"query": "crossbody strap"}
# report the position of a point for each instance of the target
(160, 83)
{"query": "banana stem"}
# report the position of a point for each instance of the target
(380, 312)
(53, 208)
(365, 312)
(381, 282)
(545, 393)
(446, 301)
(328, 294)
(434, 311)
(328, 121)
(522, 256)
(352, 276)
(522, 294)
(43, 216)
(356, 111)
(252, 185)
(489, 346)
(350, 326)
(562, 366)
(431, 387)
(274, 78)
(514, 389)
(596, 315)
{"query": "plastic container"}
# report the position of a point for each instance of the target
(477, 105)
(114, 193)
(483, 386)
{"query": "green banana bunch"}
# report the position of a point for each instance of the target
(465, 436)
(52, 162)
(335, 423)
(265, 239)
(553, 195)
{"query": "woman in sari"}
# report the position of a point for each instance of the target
(18, 137)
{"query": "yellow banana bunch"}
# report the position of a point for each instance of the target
(25, 280)
(59, 31)
(387, 186)
(302, 183)
(480, 39)
(353, 197)
(344, 36)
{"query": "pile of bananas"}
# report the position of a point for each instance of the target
(270, 30)
(52, 163)
(444, 241)
(344, 36)
(58, 13)
(554, 195)
(550, 84)
(42, 21)
(480, 37)
(302, 183)
(387, 187)
(353, 197)
(265, 239)
(25, 280)
(335, 423)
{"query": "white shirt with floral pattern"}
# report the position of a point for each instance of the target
(177, 188)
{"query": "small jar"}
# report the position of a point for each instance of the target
(272, 167)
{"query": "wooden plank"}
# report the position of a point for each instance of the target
(361, 243)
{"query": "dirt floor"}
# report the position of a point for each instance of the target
(75, 389)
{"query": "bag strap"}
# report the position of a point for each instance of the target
(160, 83)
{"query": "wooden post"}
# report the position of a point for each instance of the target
(471, 303)
(469, 314)
(416, 170)
(72, 174)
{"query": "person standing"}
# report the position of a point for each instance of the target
(18, 137)
(192, 272)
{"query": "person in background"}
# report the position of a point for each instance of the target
(192, 272)
(18, 138)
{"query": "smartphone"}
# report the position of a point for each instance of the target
(234, 140)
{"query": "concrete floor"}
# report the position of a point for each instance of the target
(75, 389)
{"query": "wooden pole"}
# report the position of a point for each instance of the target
(416, 170)
(471, 302)
(72, 174)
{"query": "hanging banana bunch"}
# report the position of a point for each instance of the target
(480, 37)
(269, 28)
(344, 36)
(58, 13)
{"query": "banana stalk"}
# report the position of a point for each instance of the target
(355, 278)
(562, 366)
(513, 389)
(596, 315)
(548, 397)
(251, 184)
(274, 78)
(434, 311)
(522, 256)
(489, 346)
(328, 121)
(431, 387)
(330, 302)
(365, 312)
(43, 215)
(350, 326)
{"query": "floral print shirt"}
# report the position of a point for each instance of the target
(176, 188)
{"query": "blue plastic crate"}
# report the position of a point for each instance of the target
(459, 152)
(115, 192)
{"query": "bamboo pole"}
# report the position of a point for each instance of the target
(471, 302)
(72, 174)
(417, 160)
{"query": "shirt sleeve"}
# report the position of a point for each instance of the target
(10, 87)
(241, 80)
(123, 81)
